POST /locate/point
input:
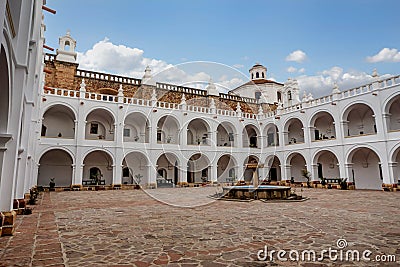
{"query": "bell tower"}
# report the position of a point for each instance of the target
(66, 50)
(258, 72)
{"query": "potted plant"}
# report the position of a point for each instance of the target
(138, 179)
(52, 184)
(343, 183)
(169, 138)
(323, 181)
(306, 174)
(136, 138)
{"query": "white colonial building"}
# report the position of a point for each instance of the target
(116, 129)
(21, 77)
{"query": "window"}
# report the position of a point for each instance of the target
(44, 129)
(127, 132)
(257, 75)
(204, 173)
(252, 76)
(289, 95)
(125, 172)
(258, 95)
(230, 136)
(263, 75)
(232, 173)
(271, 139)
(279, 95)
(159, 135)
(94, 128)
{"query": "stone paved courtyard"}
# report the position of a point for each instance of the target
(132, 228)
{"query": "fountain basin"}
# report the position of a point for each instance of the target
(260, 192)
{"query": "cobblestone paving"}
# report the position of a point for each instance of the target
(130, 228)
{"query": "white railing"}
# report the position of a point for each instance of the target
(230, 113)
(107, 77)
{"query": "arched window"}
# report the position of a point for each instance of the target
(252, 76)
(289, 95)
(67, 45)
(279, 95)
(257, 75)
(263, 74)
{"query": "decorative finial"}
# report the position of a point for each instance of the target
(68, 32)
(375, 73)
(83, 86)
(212, 103)
(238, 107)
(120, 90)
(183, 99)
(304, 99)
(335, 88)
(260, 110)
(154, 95)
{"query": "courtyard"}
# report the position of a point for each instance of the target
(183, 227)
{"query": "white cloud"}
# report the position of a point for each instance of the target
(297, 56)
(292, 69)
(322, 83)
(385, 55)
(105, 56)
(238, 66)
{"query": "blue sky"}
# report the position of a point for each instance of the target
(335, 37)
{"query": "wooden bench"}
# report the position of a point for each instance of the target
(93, 182)
(332, 180)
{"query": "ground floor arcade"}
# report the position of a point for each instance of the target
(361, 166)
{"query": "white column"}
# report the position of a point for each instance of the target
(314, 172)
(213, 173)
(393, 172)
(240, 172)
(261, 174)
(182, 173)
(152, 175)
(287, 172)
(348, 173)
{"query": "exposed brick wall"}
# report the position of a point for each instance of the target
(64, 75)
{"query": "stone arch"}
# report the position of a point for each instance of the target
(294, 131)
(322, 126)
(100, 124)
(55, 163)
(327, 164)
(249, 172)
(108, 91)
(271, 133)
(226, 133)
(359, 119)
(168, 129)
(251, 135)
(139, 166)
(226, 168)
(366, 170)
(101, 159)
(136, 128)
(4, 91)
(169, 162)
(198, 132)
(198, 168)
(392, 110)
(274, 170)
(58, 121)
(297, 162)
